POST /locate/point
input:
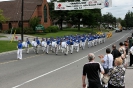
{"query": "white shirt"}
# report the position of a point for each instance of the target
(131, 50)
(108, 61)
(63, 44)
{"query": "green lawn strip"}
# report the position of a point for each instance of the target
(7, 46)
(2, 36)
(67, 31)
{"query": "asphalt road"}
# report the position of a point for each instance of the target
(53, 71)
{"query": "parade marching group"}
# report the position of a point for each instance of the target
(64, 44)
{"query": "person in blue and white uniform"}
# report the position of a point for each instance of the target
(64, 46)
(83, 42)
(54, 46)
(38, 43)
(19, 52)
(43, 45)
(28, 43)
(34, 44)
(71, 45)
(89, 41)
(77, 41)
(48, 43)
(58, 44)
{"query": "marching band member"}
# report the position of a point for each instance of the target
(93, 40)
(54, 46)
(83, 42)
(98, 39)
(89, 41)
(28, 43)
(77, 44)
(48, 43)
(104, 37)
(19, 52)
(64, 47)
(34, 44)
(71, 45)
(58, 44)
(38, 43)
(43, 44)
(68, 45)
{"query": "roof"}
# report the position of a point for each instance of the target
(12, 9)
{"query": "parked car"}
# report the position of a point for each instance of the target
(118, 30)
(124, 28)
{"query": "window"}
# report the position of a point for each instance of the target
(10, 25)
(0, 26)
(45, 13)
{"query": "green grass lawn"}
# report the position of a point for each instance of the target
(68, 31)
(7, 46)
(2, 36)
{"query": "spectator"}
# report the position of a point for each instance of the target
(92, 70)
(131, 55)
(117, 75)
(122, 50)
(126, 49)
(115, 53)
(107, 60)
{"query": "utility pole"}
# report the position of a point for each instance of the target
(22, 14)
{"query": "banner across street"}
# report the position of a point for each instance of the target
(81, 5)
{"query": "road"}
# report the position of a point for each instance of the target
(53, 71)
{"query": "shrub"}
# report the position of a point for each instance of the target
(52, 29)
(28, 30)
(18, 30)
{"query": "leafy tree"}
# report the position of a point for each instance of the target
(2, 18)
(34, 22)
(129, 19)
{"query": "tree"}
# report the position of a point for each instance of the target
(129, 19)
(2, 18)
(34, 22)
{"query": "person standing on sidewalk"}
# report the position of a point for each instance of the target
(115, 53)
(19, 52)
(92, 70)
(131, 55)
(107, 62)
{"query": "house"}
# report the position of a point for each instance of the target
(32, 8)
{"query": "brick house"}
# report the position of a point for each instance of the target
(32, 8)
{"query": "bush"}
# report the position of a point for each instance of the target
(28, 30)
(18, 30)
(52, 29)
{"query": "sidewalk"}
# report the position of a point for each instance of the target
(9, 37)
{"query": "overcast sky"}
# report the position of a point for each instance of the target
(119, 8)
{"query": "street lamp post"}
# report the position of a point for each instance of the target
(22, 19)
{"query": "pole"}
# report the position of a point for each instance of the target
(22, 19)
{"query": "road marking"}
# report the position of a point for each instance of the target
(8, 62)
(22, 59)
(64, 65)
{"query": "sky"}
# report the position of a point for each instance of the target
(119, 8)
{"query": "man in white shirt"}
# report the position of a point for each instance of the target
(131, 55)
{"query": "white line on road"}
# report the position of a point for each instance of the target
(64, 65)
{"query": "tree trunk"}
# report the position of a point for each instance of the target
(78, 23)
(61, 21)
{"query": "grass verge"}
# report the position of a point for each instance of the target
(2, 36)
(7, 46)
(68, 31)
